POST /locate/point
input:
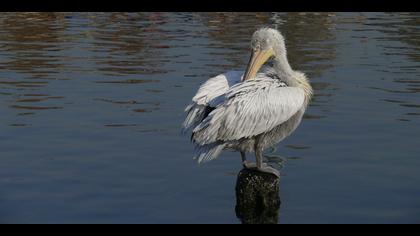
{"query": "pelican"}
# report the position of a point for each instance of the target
(250, 111)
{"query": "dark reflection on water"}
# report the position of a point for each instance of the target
(91, 106)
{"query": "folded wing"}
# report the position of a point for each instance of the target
(208, 96)
(249, 108)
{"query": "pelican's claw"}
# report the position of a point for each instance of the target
(265, 168)
(270, 170)
(249, 165)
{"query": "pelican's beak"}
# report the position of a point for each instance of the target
(258, 58)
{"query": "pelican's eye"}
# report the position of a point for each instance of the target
(256, 47)
(252, 45)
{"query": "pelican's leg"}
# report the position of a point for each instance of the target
(245, 163)
(263, 167)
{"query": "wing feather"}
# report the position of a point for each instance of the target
(250, 108)
(210, 94)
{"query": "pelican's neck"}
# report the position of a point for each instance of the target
(292, 78)
(283, 69)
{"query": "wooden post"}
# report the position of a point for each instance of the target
(257, 197)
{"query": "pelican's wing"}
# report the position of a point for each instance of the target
(250, 108)
(208, 96)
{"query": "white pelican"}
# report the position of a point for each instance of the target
(249, 111)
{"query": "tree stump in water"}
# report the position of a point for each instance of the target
(257, 197)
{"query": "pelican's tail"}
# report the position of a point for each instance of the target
(208, 152)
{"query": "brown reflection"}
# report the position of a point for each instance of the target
(30, 37)
(401, 28)
(128, 44)
(231, 32)
(297, 147)
(31, 43)
(310, 40)
(132, 43)
(35, 107)
(31, 100)
(406, 30)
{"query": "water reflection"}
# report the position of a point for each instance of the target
(230, 42)
(400, 33)
(32, 42)
(129, 43)
(31, 60)
(312, 49)
(310, 40)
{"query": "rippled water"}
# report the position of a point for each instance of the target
(91, 106)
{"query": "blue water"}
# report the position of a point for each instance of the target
(91, 106)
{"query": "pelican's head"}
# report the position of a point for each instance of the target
(265, 43)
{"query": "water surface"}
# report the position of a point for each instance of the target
(91, 106)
